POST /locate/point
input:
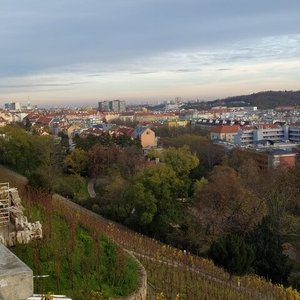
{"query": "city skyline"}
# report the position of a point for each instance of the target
(76, 52)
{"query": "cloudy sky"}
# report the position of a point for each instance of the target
(82, 51)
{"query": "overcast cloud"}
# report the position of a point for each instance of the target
(76, 51)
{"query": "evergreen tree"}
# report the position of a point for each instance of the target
(270, 261)
(232, 253)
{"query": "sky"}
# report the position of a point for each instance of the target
(79, 52)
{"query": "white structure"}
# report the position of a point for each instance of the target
(14, 226)
(248, 135)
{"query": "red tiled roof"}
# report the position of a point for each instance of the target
(225, 129)
(122, 130)
(45, 120)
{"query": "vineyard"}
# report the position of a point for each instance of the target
(172, 274)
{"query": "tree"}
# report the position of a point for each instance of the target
(26, 152)
(153, 199)
(130, 160)
(111, 204)
(232, 253)
(101, 159)
(270, 261)
(77, 161)
(223, 205)
(142, 205)
(208, 153)
(181, 160)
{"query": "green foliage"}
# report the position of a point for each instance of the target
(30, 155)
(232, 253)
(105, 140)
(181, 160)
(143, 205)
(270, 261)
(79, 264)
(71, 186)
(77, 161)
(153, 199)
(208, 153)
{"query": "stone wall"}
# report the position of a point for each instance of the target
(20, 182)
(141, 292)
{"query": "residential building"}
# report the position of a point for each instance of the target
(294, 132)
(146, 136)
(224, 132)
(103, 106)
(113, 106)
(271, 132)
(12, 106)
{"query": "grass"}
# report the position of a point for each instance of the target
(78, 264)
(71, 186)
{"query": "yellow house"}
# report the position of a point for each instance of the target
(146, 136)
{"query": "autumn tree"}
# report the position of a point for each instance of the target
(130, 160)
(101, 159)
(224, 206)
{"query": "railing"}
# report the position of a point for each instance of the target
(4, 204)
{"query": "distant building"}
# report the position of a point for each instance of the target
(273, 133)
(224, 132)
(112, 106)
(266, 159)
(146, 136)
(12, 106)
(294, 132)
(103, 106)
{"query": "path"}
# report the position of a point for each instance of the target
(90, 187)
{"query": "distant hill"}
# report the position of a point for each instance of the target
(263, 100)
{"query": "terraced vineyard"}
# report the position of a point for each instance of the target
(172, 274)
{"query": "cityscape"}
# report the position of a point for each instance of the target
(90, 155)
(149, 150)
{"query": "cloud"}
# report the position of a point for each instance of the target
(33, 85)
(48, 43)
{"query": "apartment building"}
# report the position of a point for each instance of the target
(113, 106)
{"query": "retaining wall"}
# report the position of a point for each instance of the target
(61, 203)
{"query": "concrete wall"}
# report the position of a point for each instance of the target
(16, 279)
